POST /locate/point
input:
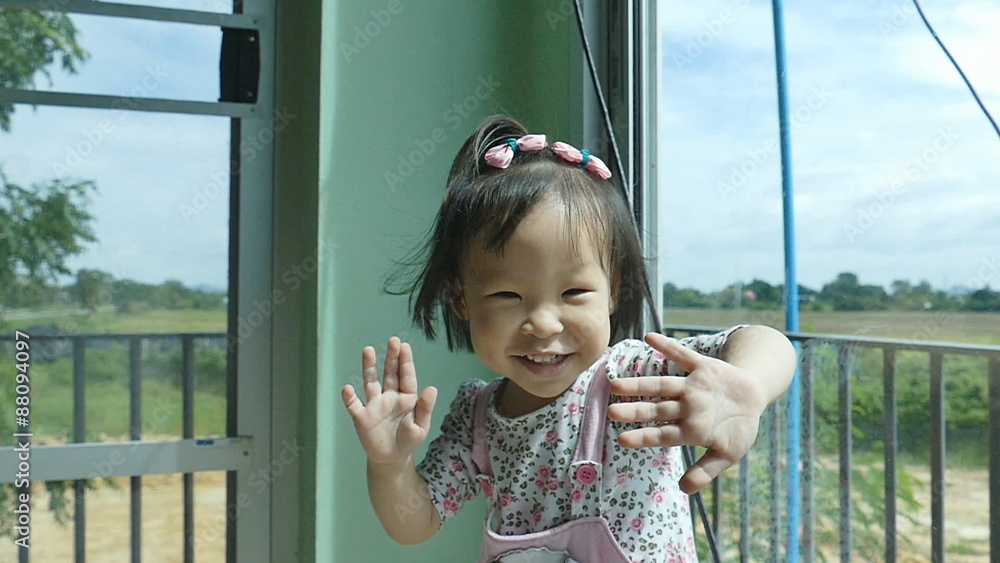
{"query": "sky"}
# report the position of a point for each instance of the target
(896, 169)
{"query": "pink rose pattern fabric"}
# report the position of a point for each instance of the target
(531, 457)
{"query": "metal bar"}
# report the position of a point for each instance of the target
(24, 553)
(937, 457)
(120, 336)
(124, 459)
(808, 544)
(890, 449)
(232, 320)
(775, 480)
(744, 493)
(125, 103)
(916, 345)
(135, 433)
(133, 11)
(79, 435)
(187, 402)
(717, 511)
(994, 449)
(791, 296)
(844, 383)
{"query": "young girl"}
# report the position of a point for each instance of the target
(534, 265)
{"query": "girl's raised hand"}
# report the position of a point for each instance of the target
(395, 420)
(717, 406)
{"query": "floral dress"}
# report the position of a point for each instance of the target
(531, 455)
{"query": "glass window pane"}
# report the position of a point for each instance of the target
(129, 58)
(159, 208)
(896, 236)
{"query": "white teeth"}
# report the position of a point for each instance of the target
(544, 359)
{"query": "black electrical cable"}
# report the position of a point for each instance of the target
(688, 456)
(600, 98)
(958, 68)
(709, 531)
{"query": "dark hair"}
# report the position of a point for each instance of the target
(483, 200)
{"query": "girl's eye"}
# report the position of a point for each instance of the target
(575, 292)
(505, 295)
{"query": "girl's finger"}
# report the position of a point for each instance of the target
(660, 411)
(703, 472)
(390, 373)
(369, 374)
(407, 371)
(657, 436)
(685, 358)
(425, 405)
(656, 386)
(352, 401)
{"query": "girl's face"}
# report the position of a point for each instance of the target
(539, 313)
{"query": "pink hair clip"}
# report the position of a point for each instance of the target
(501, 155)
(583, 158)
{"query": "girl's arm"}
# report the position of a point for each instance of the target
(402, 502)
(393, 423)
(766, 355)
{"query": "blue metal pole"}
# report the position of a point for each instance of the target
(791, 284)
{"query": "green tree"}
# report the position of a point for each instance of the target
(30, 42)
(43, 225)
(40, 227)
(89, 288)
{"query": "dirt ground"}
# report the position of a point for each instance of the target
(108, 523)
(967, 517)
(966, 527)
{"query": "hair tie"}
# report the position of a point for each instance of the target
(583, 158)
(501, 155)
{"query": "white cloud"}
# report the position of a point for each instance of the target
(146, 165)
(890, 100)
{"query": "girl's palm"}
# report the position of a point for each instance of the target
(396, 420)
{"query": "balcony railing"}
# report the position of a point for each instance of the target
(77, 460)
(189, 456)
(845, 347)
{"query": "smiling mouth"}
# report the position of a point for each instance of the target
(543, 359)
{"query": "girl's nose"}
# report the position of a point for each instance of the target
(541, 323)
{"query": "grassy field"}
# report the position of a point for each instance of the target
(980, 328)
(945, 326)
(146, 321)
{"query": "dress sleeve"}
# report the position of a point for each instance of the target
(447, 468)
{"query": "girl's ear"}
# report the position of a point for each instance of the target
(613, 297)
(456, 300)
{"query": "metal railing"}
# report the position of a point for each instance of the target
(225, 457)
(845, 348)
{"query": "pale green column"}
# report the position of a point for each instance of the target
(402, 84)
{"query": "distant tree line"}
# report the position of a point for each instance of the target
(845, 293)
(94, 289)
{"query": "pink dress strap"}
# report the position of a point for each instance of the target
(480, 443)
(593, 428)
